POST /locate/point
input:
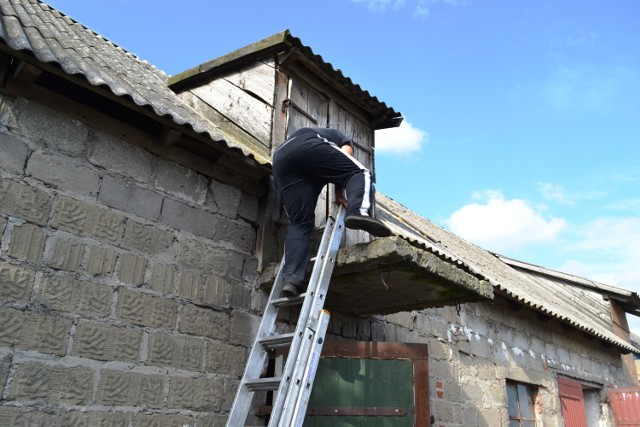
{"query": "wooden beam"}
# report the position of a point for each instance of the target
(169, 136)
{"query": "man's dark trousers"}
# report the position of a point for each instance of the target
(301, 168)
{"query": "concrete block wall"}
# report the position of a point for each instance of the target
(126, 280)
(128, 298)
(475, 348)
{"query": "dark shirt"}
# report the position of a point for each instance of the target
(332, 135)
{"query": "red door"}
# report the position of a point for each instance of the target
(626, 406)
(572, 400)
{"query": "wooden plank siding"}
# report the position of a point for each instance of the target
(245, 98)
(309, 107)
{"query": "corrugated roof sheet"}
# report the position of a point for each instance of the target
(54, 38)
(583, 309)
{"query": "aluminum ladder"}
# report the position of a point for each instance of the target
(305, 344)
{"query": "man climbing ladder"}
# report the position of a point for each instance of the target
(310, 159)
(303, 165)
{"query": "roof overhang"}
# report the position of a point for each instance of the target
(389, 275)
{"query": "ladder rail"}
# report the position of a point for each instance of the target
(332, 233)
(304, 344)
(299, 410)
(257, 357)
(327, 262)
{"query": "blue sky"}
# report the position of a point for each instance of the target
(522, 117)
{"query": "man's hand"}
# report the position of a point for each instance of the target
(347, 149)
(341, 199)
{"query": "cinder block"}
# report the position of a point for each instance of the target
(490, 417)
(239, 234)
(63, 253)
(249, 272)
(211, 421)
(205, 257)
(5, 364)
(79, 217)
(132, 269)
(204, 322)
(231, 386)
(162, 420)
(225, 359)
(16, 282)
(236, 265)
(404, 319)
(128, 197)
(205, 290)
(63, 172)
(188, 219)
(176, 352)
(14, 153)
(49, 128)
(146, 238)
(66, 293)
(146, 310)
(27, 242)
(17, 417)
(162, 278)
(101, 260)
(90, 419)
(224, 198)
(244, 327)
(249, 208)
(29, 331)
(35, 382)
(181, 182)
(103, 342)
(239, 296)
(197, 394)
(114, 154)
(119, 388)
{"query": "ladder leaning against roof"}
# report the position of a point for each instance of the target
(305, 344)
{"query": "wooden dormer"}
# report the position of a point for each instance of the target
(262, 93)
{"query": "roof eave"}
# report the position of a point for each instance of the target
(204, 72)
(382, 116)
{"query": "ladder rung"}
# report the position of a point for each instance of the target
(264, 384)
(288, 302)
(276, 341)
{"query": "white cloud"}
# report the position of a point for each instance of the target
(584, 87)
(380, 5)
(612, 251)
(498, 224)
(400, 140)
(555, 192)
(420, 7)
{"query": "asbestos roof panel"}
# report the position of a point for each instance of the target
(558, 299)
(53, 38)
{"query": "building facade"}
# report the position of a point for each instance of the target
(139, 228)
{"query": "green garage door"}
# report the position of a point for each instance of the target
(362, 393)
(362, 384)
